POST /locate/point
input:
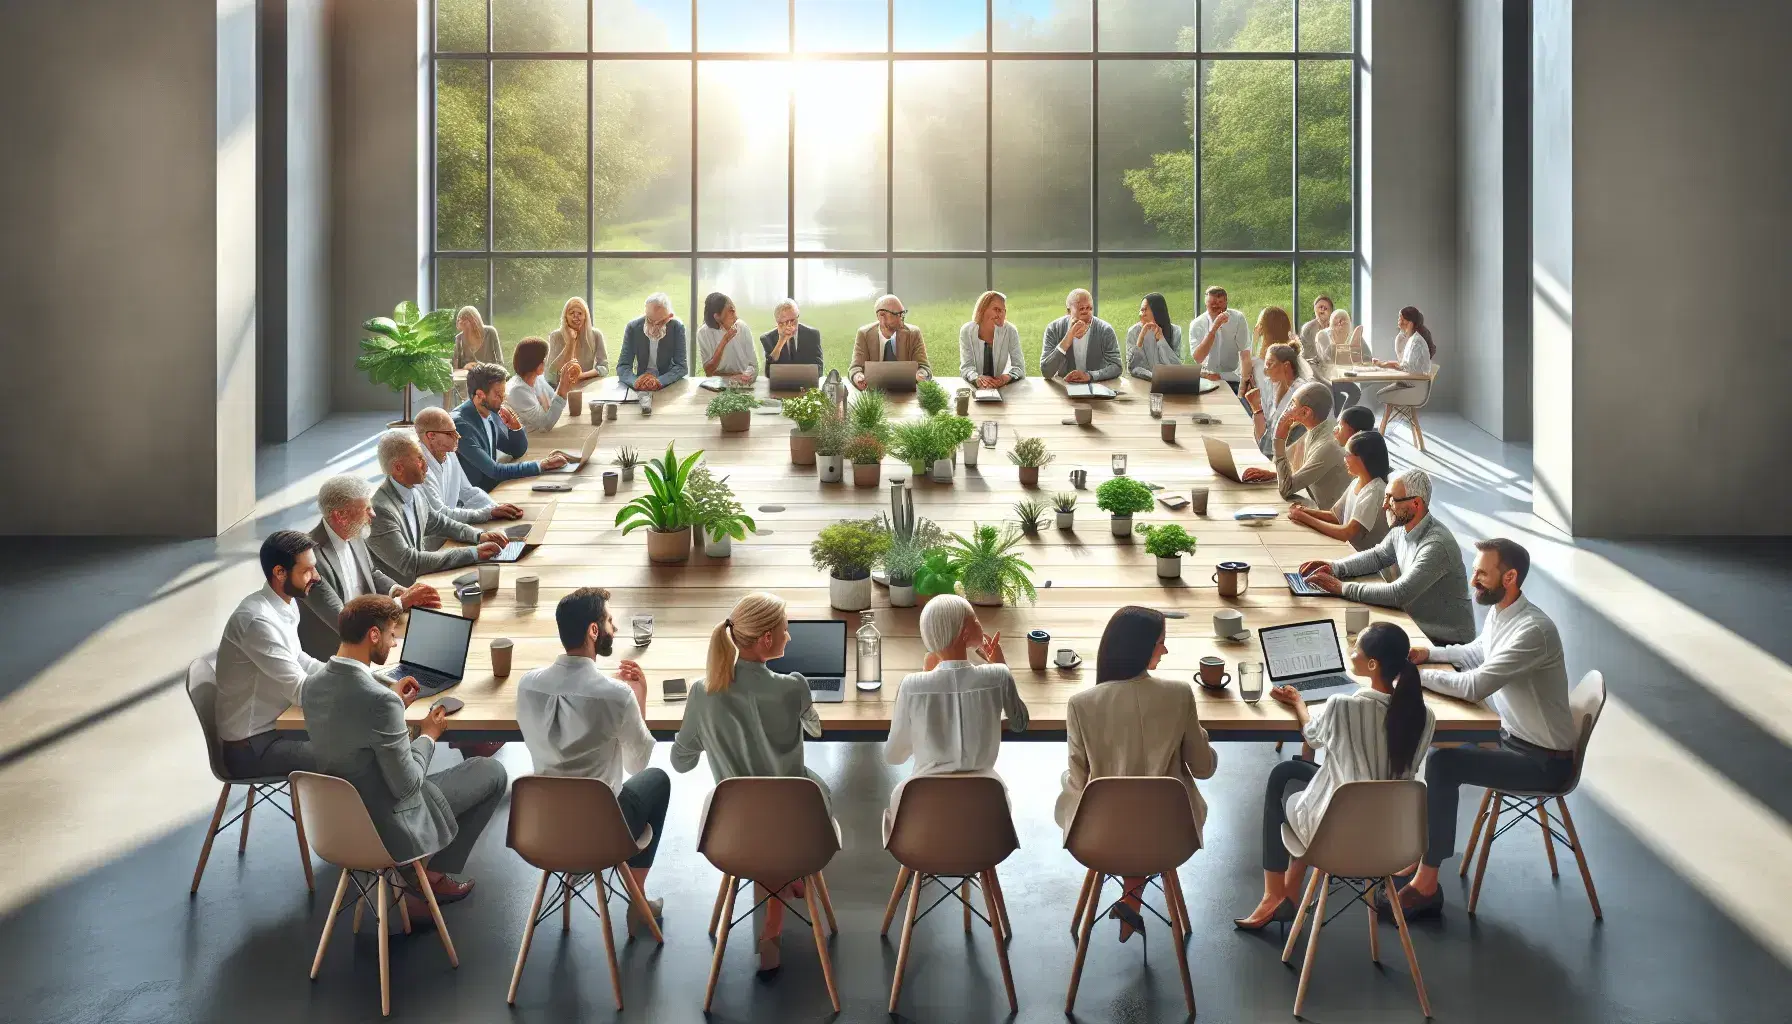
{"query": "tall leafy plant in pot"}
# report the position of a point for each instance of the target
(409, 349)
(906, 556)
(806, 411)
(665, 509)
(848, 550)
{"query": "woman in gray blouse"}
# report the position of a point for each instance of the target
(989, 346)
(576, 340)
(1154, 340)
(474, 342)
(749, 719)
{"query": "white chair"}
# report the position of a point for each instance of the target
(1408, 409)
(202, 690)
(1586, 704)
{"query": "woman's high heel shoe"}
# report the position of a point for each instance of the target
(1283, 914)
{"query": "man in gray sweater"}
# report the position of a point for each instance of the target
(1079, 346)
(1432, 586)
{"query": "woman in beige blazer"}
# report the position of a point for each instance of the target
(577, 340)
(1134, 723)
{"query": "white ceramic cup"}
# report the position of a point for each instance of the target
(1228, 623)
(1356, 619)
(1066, 657)
(488, 577)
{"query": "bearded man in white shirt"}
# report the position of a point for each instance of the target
(261, 667)
(1217, 337)
(445, 483)
(1515, 664)
(577, 721)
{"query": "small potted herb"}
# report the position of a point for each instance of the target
(735, 410)
(1028, 513)
(866, 453)
(665, 509)
(915, 442)
(987, 567)
(1168, 543)
(626, 460)
(806, 411)
(955, 432)
(1030, 454)
(831, 435)
(870, 414)
(1064, 504)
(932, 397)
(847, 550)
(904, 559)
(935, 577)
(1122, 497)
(718, 512)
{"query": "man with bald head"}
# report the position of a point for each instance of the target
(1079, 346)
(445, 483)
(890, 339)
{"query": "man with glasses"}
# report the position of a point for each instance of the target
(792, 341)
(653, 347)
(890, 339)
(445, 484)
(1432, 586)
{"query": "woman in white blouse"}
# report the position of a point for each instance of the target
(537, 403)
(725, 342)
(1356, 519)
(576, 340)
(989, 346)
(1417, 352)
(1338, 345)
(1378, 733)
(1147, 343)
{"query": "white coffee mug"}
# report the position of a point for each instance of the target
(1356, 619)
(1066, 657)
(1228, 623)
(488, 577)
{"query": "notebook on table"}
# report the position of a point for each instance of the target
(1088, 390)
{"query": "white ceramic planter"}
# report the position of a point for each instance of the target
(1066, 520)
(1122, 525)
(723, 548)
(1169, 568)
(970, 449)
(902, 597)
(984, 600)
(942, 471)
(849, 595)
(831, 468)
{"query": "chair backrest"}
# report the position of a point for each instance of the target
(568, 824)
(952, 825)
(1370, 829)
(202, 690)
(772, 830)
(1585, 705)
(337, 824)
(1133, 826)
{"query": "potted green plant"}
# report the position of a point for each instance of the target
(716, 509)
(734, 409)
(1028, 513)
(409, 349)
(870, 414)
(866, 453)
(626, 460)
(848, 550)
(1030, 453)
(987, 567)
(806, 411)
(831, 435)
(1064, 504)
(916, 443)
(905, 557)
(954, 432)
(1168, 543)
(936, 576)
(932, 397)
(665, 509)
(1122, 497)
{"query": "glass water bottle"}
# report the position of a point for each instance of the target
(871, 654)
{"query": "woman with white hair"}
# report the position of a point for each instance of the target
(576, 340)
(474, 341)
(1336, 345)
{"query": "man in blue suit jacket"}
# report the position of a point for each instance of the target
(487, 428)
(647, 362)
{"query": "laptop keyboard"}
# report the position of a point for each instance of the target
(826, 684)
(1302, 586)
(1319, 682)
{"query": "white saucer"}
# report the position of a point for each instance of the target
(1239, 637)
(1078, 663)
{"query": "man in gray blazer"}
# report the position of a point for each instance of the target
(1079, 346)
(345, 570)
(357, 729)
(403, 517)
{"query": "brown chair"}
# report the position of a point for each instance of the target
(574, 829)
(202, 690)
(1370, 830)
(344, 835)
(951, 827)
(1132, 828)
(1586, 704)
(1410, 413)
(770, 832)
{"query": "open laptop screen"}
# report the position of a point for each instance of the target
(437, 641)
(817, 649)
(1301, 649)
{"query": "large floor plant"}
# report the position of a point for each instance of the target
(666, 509)
(409, 349)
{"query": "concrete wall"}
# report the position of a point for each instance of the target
(127, 196)
(1553, 362)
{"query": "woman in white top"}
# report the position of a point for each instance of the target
(1147, 344)
(725, 342)
(576, 340)
(1417, 353)
(474, 342)
(1335, 346)
(1356, 519)
(536, 403)
(989, 346)
(1378, 733)
(1272, 378)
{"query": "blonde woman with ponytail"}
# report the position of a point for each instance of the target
(749, 719)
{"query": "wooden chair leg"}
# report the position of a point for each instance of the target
(522, 953)
(323, 942)
(1412, 958)
(211, 833)
(385, 952)
(601, 896)
(902, 877)
(1580, 857)
(1387, 413)
(1474, 836)
(1549, 840)
(908, 933)
(827, 902)
(727, 918)
(1418, 436)
(298, 824)
(1076, 920)
(1300, 915)
(1493, 825)
(1082, 941)
(1374, 924)
(404, 909)
(638, 900)
(812, 896)
(435, 913)
(1323, 880)
(1001, 906)
(716, 913)
(995, 921)
(242, 842)
(1173, 896)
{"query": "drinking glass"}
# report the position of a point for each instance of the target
(1120, 464)
(989, 430)
(1157, 406)
(643, 625)
(1250, 681)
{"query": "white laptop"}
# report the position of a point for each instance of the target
(1219, 456)
(817, 649)
(1306, 656)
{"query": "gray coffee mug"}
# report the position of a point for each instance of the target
(1228, 623)
(528, 591)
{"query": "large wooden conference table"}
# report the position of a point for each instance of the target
(1083, 574)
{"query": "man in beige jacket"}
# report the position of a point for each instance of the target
(889, 339)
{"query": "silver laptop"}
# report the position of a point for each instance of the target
(435, 650)
(891, 375)
(578, 462)
(792, 376)
(1172, 379)
(1219, 456)
(817, 649)
(1306, 656)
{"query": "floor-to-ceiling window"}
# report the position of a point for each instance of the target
(834, 150)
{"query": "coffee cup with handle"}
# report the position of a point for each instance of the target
(1213, 674)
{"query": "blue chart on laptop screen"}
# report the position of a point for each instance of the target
(1302, 649)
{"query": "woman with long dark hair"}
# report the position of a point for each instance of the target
(1418, 354)
(1154, 340)
(1380, 732)
(1357, 517)
(1134, 723)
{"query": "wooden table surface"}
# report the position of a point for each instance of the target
(1082, 574)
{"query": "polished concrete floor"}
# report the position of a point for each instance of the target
(104, 794)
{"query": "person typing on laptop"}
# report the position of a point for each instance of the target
(890, 340)
(488, 430)
(402, 518)
(445, 482)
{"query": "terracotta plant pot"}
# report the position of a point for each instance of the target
(866, 475)
(849, 595)
(668, 546)
(802, 448)
(1169, 568)
(736, 422)
(831, 468)
(1029, 476)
